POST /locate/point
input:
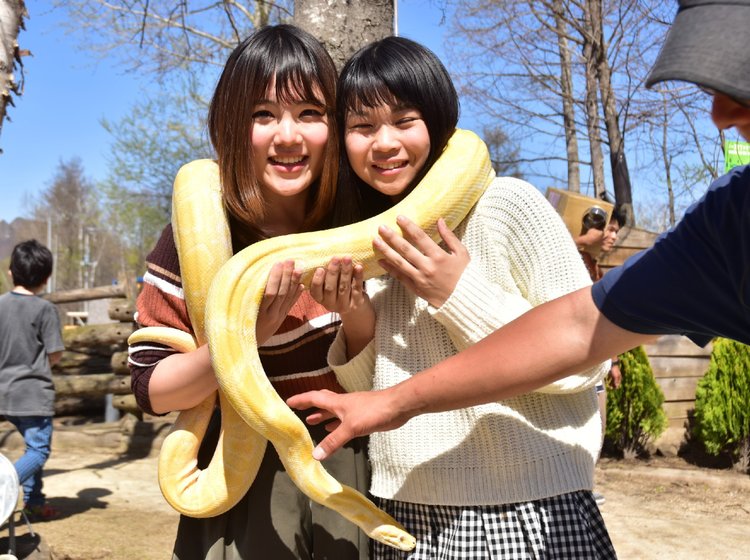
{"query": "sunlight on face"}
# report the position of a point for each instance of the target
(387, 147)
(288, 143)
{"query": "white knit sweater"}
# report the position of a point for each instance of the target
(529, 447)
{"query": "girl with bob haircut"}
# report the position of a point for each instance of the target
(510, 479)
(395, 74)
(272, 124)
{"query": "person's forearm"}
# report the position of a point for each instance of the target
(549, 342)
(182, 381)
(358, 331)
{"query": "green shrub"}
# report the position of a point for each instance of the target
(634, 411)
(722, 403)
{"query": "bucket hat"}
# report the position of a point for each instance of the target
(709, 45)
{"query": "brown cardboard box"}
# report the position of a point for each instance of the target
(573, 206)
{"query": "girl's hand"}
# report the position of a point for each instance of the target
(425, 268)
(282, 291)
(340, 288)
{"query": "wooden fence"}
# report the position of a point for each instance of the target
(678, 364)
(629, 242)
(94, 363)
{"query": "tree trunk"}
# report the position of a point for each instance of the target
(618, 162)
(566, 87)
(592, 101)
(667, 161)
(12, 14)
(345, 26)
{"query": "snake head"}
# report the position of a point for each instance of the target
(394, 536)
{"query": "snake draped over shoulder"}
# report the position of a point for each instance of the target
(252, 412)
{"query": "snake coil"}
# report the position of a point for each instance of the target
(223, 294)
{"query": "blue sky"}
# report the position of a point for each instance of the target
(68, 92)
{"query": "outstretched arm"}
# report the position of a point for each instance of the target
(547, 343)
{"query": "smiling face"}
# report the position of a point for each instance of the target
(288, 141)
(610, 236)
(387, 147)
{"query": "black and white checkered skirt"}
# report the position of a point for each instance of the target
(568, 526)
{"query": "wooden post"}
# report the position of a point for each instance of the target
(119, 363)
(94, 367)
(91, 385)
(89, 336)
(126, 403)
(86, 294)
(122, 310)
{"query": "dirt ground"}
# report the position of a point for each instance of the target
(103, 480)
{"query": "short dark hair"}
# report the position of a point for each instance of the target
(396, 71)
(617, 216)
(302, 69)
(30, 264)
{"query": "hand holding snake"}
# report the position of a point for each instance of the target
(423, 266)
(252, 412)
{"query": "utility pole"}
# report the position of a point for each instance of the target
(88, 267)
(51, 283)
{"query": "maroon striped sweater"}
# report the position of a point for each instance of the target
(295, 358)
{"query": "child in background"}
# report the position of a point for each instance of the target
(598, 239)
(592, 243)
(30, 344)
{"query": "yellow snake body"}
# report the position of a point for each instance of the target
(449, 190)
(204, 244)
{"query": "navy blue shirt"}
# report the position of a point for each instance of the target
(695, 280)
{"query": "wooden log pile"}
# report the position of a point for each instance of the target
(95, 361)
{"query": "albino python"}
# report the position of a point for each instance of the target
(226, 317)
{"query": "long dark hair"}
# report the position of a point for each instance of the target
(393, 71)
(303, 70)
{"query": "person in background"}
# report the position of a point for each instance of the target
(30, 344)
(693, 281)
(598, 236)
(272, 124)
(510, 479)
